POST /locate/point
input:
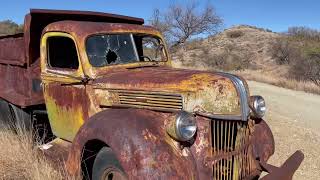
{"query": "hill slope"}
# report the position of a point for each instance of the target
(244, 41)
(245, 50)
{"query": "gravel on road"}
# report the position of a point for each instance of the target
(294, 118)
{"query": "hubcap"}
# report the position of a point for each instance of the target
(112, 174)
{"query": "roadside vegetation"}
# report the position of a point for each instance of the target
(9, 27)
(289, 83)
(20, 158)
(299, 48)
(290, 60)
(182, 22)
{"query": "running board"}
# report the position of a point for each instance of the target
(56, 151)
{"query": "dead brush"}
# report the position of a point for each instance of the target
(21, 159)
(259, 76)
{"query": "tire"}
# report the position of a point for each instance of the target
(22, 119)
(106, 166)
(13, 117)
(6, 119)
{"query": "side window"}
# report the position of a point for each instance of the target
(62, 53)
(152, 49)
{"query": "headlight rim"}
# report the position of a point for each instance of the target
(180, 116)
(254, 106)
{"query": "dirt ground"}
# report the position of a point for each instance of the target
(294, 118)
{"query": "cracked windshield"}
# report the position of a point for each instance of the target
(104, 50)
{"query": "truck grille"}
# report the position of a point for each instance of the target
(150, 100)
(230, 143)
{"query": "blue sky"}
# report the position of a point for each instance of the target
(276, 15)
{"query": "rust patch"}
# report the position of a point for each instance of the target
(139, 145)
(138, 137)
(263, 140)
(67, 108)
(202, 91)
(148, 136)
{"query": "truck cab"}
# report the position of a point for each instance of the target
(119, 110)
(72, 62)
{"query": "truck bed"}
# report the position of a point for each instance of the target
(20, 53)
(20, 83)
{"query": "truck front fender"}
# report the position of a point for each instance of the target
(263, 140)
(138, 138)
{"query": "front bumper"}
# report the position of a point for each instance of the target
(284, 172)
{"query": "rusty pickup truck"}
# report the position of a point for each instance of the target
(103, 85)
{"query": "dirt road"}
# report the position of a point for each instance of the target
(294, 118)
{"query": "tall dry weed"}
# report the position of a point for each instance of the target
(21, 159)
(256, 75)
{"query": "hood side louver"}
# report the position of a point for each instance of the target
(150, 100)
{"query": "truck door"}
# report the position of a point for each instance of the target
(64, 92)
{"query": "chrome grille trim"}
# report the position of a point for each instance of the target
(219, 116)
(230, 142)
(241, 90)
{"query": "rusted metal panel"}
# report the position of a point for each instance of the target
(14, 84)
(223, 150)
(137, 136)
(12, 50)
(286, 171)
(263, 140)
(56, 152)
(201, 91)
(35, 85)
(21, 85)
(139, 140)
(38, 19)
(201, 148)
(67, 108)
(59, 15)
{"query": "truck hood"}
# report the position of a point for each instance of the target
(201, 91)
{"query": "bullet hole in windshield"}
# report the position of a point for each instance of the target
(111, 56)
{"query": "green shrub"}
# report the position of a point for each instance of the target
(301, 51)
(9, 27)
(284, 51)
(307, 67)
(226, 61)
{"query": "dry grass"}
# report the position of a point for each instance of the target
(265, 77)
(260, 76)
(21, 159)
(250, 52)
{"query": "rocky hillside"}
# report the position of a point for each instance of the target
(237, 48)
(291, 61)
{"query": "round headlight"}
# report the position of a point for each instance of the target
(258, 106)
(184, 126)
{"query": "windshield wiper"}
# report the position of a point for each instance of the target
(154, 64)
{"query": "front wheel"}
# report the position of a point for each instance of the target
(107, 167)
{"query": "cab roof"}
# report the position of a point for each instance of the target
(82, 29)
(38, 19)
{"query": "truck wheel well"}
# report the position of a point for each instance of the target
(89, 153)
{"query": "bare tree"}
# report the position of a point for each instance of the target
(304, 32)
(182, 22)
(158, 22)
